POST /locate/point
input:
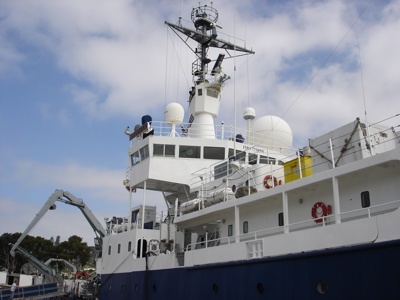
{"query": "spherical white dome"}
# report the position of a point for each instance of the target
(173, 113)
(249, 113)
(272, 131)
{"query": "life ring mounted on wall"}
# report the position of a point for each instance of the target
(271, 181)
(319, 211)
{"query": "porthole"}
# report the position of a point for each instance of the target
(123, 288)
(215, 288)
(322, 287)
(154, 288)
(260, 288)
(136, 288)
(109, 287)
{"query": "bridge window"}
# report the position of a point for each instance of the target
(163, 150)
(144, 152)
(252, 159)
(189, 151)
(267, 160)
(135, 158)
(240, 155)
(214, 153)
(140, 155)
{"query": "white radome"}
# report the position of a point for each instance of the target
(174, 113)
(272, 131)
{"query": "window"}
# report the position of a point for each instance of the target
(200, 92)
(221, 170)
(212, 93)
(129, 246)
(240, 155)
(365, 200)
(158, 150)
(144, 152)
(230, 230)
(119, 248)
(252, 159)
(134, 215)
(245, 227)
(280, 219)
(135, 158)
(169, 150)
(109, 250)
(267, 160)
(214, 153)
(163, 150)
(189, 151)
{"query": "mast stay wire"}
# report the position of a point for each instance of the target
(327, 59)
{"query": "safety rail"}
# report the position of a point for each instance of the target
(218, 131)
(47, 290)
(386, 138)
(347, 216)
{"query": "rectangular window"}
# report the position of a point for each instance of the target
(109, 250)
(214, 153)
(119, 248)
(245, 227)
(129, 246)
(169, 150)
(230, 230)
(267, 160)
(280, 219)
(200, 92)
(144, 152)
(240, 155)
(252, 159)
(365, 200)
(163, 150)
(212, 93)
(135, 158)
(158, 150)
(189, 151)
(134, 215)
(221, 170)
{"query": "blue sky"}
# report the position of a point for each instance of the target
(74, 74)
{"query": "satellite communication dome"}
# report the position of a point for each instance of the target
(272, 131)
(173, 113)
(249, 113)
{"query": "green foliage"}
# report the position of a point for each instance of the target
(73, 250)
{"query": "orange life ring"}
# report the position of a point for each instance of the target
(267, 179)
(320, 210)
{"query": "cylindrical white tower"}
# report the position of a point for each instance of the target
(249, 115)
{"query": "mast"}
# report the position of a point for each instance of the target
(205, 95)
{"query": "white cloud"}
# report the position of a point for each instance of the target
(115, 53)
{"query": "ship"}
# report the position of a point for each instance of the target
(248, 216)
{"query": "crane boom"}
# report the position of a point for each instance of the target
(68, 198)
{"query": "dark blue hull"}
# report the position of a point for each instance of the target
(361, 272)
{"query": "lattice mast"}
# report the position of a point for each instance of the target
(205, 95)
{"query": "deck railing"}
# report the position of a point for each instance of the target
(347, 216)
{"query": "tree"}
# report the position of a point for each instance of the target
(73, 250)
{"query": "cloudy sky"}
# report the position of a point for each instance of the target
(74, 74)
